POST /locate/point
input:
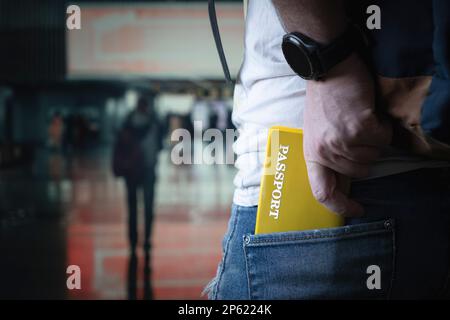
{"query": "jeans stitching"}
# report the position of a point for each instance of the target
(247, 271)
(225, 254)
(347, 231)
(255, 242)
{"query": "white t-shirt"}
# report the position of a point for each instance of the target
(269, 93)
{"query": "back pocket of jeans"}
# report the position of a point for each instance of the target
(349, 262)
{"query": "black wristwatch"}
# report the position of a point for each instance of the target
(312, 60)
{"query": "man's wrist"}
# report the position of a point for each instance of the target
(353, 63)
(314, 61)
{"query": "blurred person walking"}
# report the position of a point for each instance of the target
(135, 158)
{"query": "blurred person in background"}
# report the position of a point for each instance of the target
(55, 131)
(135, 158)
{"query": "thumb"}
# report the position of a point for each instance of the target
(329, 189)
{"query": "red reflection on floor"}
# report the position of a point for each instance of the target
(187, 235)
(183, 259)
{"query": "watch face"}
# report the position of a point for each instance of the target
(297, 57)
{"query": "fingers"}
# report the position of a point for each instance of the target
(353, 162)
(361, 154)
(349, 160)
(325, 188)
(346, 167)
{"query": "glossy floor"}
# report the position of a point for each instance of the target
(71, 211)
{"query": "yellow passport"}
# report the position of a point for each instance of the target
(286, 202)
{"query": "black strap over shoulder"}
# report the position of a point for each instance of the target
(217, 39)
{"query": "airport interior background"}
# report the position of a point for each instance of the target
(64, 95)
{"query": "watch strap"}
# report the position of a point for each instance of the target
(338, 50)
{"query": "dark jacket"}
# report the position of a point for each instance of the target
(136, 149)
(411, 57)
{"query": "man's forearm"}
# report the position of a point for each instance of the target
(322, 20)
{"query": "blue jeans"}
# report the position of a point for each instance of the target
(399, 250)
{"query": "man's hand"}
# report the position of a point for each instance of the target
(342, 134)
